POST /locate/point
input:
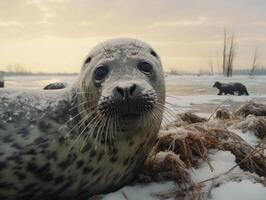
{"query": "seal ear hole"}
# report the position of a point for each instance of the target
(153, 53)
(88, 60)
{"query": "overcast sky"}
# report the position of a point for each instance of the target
(56, 35)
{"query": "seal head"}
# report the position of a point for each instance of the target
(124, 77)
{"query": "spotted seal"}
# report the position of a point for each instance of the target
(89, 138)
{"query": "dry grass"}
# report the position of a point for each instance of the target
(185, 144)
(191, 118)
(251, 108)
(223, 114)
(256, 125)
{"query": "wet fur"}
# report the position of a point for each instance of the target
(231, 88)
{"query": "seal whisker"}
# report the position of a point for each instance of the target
(80, 134)
(153, 113)
(98, 129)
(108, 129)
(102, 127)
(84, 129)
(71, 119)
(96, 122)
(87, 135)
(116, 129)
(84, 142)
(166, 118)
(96, 118)
(84, 102)
(79, 124)
(166, 109)
(147, 117)
(109, 135)
(166, 112)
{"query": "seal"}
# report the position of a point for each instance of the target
(55, 86)
(231, 88)
(86, 139)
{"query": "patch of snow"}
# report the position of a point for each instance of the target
(244, 190)
(221, 161)
(249, 137)
(209, 80)
(35, 82)
(138, 192)
(204, 115)
(211, 99)
(199, 90)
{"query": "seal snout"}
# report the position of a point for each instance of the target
(126, 92)
(130, 99)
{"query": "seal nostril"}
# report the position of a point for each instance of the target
(132, 89)
(120, 91)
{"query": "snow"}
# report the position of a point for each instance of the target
(186, 102)
(221, 161)
(249, 137)
(35, 82)
(245, 190)
(204, 115)
(140, 191)
(185, 93)
(209, 80)
(229, 188)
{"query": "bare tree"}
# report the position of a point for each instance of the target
(218, 63)
(224, 52)
(228, 54)
(211, 67)
(231, 56)
(254, 63)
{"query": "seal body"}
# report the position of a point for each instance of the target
(89, 138)
(231, 88)
(55, 86)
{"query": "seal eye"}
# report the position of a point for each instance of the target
(145, 68)
(100, 73)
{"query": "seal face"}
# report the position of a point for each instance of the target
(94, 137)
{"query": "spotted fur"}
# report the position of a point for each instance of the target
(40, 155)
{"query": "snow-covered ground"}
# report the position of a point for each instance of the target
(221, 161)
(188, 93)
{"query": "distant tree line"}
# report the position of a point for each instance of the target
(257, 71)
(19, 70)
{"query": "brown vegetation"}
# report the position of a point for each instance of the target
(184, 145)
